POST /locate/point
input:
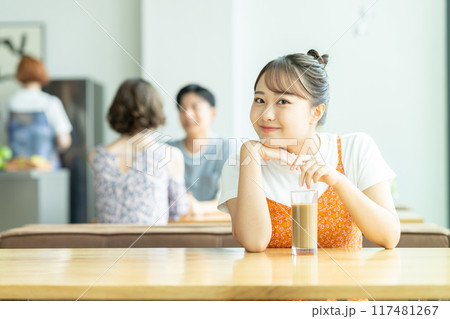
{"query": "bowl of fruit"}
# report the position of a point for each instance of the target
(5, 155)
(20, 163)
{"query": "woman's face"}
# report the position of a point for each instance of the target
(282, 120)
(196, 114)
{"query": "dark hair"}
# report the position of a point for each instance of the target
(136, 106)
(199, 90)
(300, 74)
(31, 70)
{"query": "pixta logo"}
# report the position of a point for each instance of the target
(147, 144)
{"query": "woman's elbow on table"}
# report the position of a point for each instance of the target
(255, 247)
(393, 237)
(253, 239)
(392, 242)
(252, 245)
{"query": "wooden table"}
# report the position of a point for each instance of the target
(409, 216)
(224, 274)
(213, 217)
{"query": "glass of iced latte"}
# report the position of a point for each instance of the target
(304, 222)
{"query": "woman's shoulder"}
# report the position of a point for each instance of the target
(345, 138)
(230, 169)
(353, 145)
(53, 102)
(176, 154)
(94, 152)
(357, 141)
(358, 148)
(32, 100)
(13, 97)
(175, 162)
(164, 151)
(17, 99)
(36, 94)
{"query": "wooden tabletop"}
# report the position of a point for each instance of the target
(212, 217)
(409, 216)
(223, 274)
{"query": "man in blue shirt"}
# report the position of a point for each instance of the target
(204, 152)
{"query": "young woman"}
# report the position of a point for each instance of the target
(353, 180)
(145, 191)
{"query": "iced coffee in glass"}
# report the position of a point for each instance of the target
(304, 222)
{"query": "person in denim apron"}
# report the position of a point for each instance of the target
(31, 134)
(37, 122)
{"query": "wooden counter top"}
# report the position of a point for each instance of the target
(223, 274)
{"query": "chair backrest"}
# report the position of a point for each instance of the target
(199, 235)
(420, 235)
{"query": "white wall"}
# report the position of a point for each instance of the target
(389, 82)
(188, 42)
(76, 47)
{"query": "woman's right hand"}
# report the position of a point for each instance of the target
(257, 149)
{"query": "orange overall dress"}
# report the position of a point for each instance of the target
(336, 228)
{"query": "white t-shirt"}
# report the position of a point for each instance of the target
(27, 101)
(363, 166)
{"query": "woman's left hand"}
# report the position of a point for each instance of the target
(313, 170)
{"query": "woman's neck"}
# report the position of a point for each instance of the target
(120, 145)
(308, 146)
(33, 86)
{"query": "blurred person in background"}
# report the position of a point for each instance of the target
(37, 122)
(204, 152)
(131, 185)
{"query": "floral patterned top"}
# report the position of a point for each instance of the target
(145, 194)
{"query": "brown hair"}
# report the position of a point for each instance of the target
(299, 74)
(136, 106)
(31, 70)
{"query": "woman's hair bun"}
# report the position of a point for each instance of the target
(322, 59)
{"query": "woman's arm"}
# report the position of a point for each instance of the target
(250, 216)
(63, 141)
(252, 227)
(373, 210)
